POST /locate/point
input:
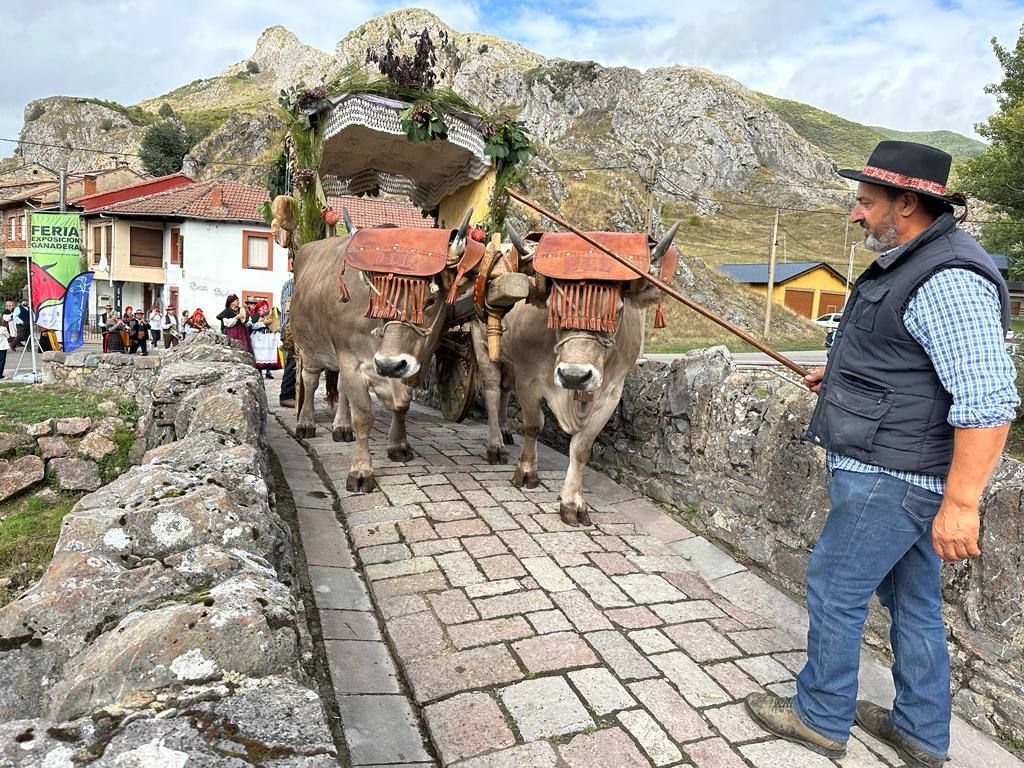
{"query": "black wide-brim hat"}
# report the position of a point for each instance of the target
(907, 165)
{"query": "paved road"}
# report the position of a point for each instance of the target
(803, 358)
(464, 624)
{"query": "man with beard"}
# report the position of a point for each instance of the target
(913, 410)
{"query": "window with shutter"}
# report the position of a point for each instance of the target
(108, 240)
(97, 244)
(257, 250)
(146, 247)
(175, 246)
(22, 228)
(12, 227)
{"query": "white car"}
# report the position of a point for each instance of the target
(830, 321)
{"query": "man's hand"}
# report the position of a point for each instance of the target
(955, 531)
(813, 378)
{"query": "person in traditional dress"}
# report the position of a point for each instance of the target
(266, 338)
(113, 331)
(139, 330)
(197, 321)
(233, 322)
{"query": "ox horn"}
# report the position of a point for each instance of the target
(458, 246)
(662, 247)
(525, 251)
(349, 226)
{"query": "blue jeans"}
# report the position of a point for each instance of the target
(877, 539)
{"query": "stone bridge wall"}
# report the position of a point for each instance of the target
(168, 629)
(723, 448)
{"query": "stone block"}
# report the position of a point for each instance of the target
(467, 725)
(647, 588)
(73, 426)
(603, 749)
(453, 607)
(366, 718)
(549, 621)
(544, 708)
(713, 753)
(693, 683)
(75, 474)
(601, 690)
(701, 642)
(652, 739)
(409, 585)
(518, 602)
(459, 568)
(783, 754)
(735, 723)
(489, 631)
(554, 652)
(338, 589)
(581, 612)
(501, 567)
(40, 428)
(638, 617)
(682, 722)
(360, 666)
(19, 475)
(537, 754)
(52, 447)
(619, 654)
(439, 676)
(415, 635)
(348, 625)
(599, 587)
(96, 446)
(651, 641)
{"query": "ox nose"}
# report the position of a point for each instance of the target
(392, 368)
(574, 376)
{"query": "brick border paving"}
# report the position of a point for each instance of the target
(515, 640)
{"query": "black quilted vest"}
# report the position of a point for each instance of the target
(881, 401)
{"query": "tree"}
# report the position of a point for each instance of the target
(12, 284)
(997, 174)
(164, 146)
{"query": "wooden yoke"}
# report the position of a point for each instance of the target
(499, 285)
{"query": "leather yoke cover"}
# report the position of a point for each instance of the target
(411, 251)
(565, 256)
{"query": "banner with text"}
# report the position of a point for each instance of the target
(76, 311)
(54, 245)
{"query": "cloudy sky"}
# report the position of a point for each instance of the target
(907, 64)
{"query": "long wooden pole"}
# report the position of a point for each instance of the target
(698, 308)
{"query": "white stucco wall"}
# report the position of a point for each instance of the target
(212, 266)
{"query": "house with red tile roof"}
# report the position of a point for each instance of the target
(18, 201)
(191, 246)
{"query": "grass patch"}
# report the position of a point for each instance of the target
(29, 527)
(28, 404)
(112, 466)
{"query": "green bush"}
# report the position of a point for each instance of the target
(13, 284)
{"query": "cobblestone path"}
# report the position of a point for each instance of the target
(492, 635)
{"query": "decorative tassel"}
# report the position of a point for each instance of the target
(342, 288)
(586, 305)
(659, 316)
(395, 297)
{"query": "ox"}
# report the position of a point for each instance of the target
(372, 307)
(575, 349)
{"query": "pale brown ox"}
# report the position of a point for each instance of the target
(368, 354)
(566, 368)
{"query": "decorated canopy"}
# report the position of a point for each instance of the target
(366, 148)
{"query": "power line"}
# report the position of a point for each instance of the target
(69, 148)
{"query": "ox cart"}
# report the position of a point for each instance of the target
(377, 306)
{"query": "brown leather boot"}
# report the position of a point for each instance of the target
(775, 714)
(876, 721)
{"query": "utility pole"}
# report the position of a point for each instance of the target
(649, 176)
(64, 189)
(771, 277)
(849, 273)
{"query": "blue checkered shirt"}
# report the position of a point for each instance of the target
(286, 299)
(955, 316)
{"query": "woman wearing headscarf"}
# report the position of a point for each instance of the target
(266, 340)
(197, 321)
(233, 323)
(113, 330)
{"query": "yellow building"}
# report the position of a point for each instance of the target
(808, 288)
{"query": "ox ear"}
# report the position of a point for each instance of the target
(458, 246)
(349, 226)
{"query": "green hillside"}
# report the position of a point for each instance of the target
(850, 143)
(956, 144)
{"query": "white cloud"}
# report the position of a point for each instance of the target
(911, 65)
